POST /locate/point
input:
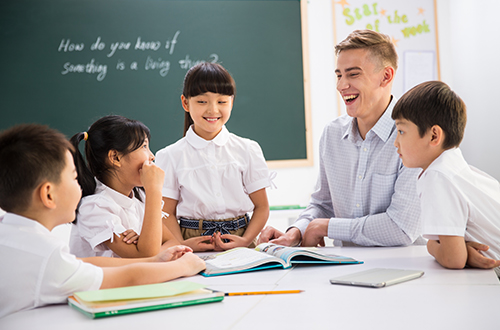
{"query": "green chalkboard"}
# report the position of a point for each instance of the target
(68, 62)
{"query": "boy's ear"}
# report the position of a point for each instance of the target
(437, 135)
(185, 103)
(46, 194)
(388, 76)
(114, 158)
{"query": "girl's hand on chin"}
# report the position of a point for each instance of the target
(151, 176)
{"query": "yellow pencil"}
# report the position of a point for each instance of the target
(261, 292)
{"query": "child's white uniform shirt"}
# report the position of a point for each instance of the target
(101, 215)
(459, 200)
(212, 179)
(37, 268)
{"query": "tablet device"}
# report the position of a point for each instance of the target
(377, 277)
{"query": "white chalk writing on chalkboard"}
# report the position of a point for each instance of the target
(92, 67)
(67, 46)
(187, 63)
(160, 65)
(140, 44)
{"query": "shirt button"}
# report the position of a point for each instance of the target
(357, 205)
(365, 149)
(218, 194)
(360, 177)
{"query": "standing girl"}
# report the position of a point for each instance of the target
(113, 205)
(213, 177)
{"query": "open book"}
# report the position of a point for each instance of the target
(141, 298)
(267, 255)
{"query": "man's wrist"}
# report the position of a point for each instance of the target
(295, 236)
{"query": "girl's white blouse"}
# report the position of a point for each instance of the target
(101, 215)
(213, 179)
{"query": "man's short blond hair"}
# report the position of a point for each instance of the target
(379, 45)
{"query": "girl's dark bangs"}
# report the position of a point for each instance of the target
(139, 133)
(211, 82)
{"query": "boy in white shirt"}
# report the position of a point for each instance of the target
(458, 202)
(39, 190)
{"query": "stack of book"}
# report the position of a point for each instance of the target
(141, 298)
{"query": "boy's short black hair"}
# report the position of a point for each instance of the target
(30, 154)
(434, 103)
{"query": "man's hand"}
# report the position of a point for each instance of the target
(273, 235)
(476, 259)
(316, 232)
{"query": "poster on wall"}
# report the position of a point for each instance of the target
(412, 26)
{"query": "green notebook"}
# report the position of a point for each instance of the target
(141, 298)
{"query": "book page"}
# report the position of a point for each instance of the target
(280, 251)
(236, 259)
(300, 253)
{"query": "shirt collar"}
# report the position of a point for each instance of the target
(450, 156)
(200, 143)
(383, 128)
(18, 220)
(120, 199)
(351, 132)
(385, 125)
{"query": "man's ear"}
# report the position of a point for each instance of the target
(436, 135)
(46, 195)
(185, 103)
(388, 76)
(114, 158)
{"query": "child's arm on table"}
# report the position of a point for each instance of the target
(168, 237)
(476, 259)
(119, 272)
(151, 233)
(258, 221)
(198, 244)
(169, 254)
(449, 251)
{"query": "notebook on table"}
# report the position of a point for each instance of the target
(141, 298)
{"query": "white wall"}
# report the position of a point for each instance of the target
(472, 70)
(469, 49)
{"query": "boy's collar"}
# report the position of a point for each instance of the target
(19, 220)
(453, 153)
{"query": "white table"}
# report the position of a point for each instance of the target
(448, 299)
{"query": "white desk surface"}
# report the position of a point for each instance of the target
(449, 299)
